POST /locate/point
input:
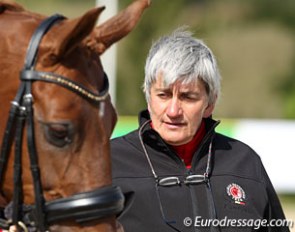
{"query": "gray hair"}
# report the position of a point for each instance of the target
(179, 56)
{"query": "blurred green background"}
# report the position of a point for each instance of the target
(254, 42)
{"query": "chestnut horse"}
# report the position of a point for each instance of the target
(56, 120)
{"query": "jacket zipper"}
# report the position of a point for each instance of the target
(192, 191)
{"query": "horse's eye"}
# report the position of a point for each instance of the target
(58, 134)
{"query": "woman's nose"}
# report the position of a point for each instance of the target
(174, 108)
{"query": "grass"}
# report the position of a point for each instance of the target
(288, 204)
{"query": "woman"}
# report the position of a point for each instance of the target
(177, 173)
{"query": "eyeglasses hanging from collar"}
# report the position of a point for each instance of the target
(174, 180)
(169, 181)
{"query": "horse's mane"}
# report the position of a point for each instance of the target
(10, 5)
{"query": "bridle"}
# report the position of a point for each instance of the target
(81, 207)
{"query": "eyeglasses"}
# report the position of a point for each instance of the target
(173, 180)
(163, 184)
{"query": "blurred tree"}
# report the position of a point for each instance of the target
(68, 8)
(274, 10)
(253, 50)
(252, 40)
(133, 50)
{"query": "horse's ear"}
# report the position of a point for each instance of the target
(117, 27)
(70, 33)
(10, 5)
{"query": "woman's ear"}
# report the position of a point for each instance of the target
(148, 107)
(210, 108)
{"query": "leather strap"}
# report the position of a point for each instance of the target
(32, 49)
(87, 206)
(81, 207)
(28, 102)
(32, 75)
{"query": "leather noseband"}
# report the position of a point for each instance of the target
(82, 207)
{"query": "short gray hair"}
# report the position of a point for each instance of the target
(180, 56)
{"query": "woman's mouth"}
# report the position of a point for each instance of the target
(174, 124)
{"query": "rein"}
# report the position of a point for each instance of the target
(81, 207)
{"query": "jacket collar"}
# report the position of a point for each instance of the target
(154, 140)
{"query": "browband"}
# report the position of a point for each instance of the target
(81, 207)
(32, 75)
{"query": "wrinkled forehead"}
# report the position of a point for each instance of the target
(184, 81)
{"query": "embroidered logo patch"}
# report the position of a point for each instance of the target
(236, 192)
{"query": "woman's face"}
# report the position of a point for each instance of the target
(177, 110)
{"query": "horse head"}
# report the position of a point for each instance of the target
(72, 115)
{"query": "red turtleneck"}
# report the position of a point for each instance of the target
(186, 151)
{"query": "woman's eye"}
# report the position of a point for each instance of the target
(163, 95)
(189, 97)
(58, 134)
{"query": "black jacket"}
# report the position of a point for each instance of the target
(237, 186)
